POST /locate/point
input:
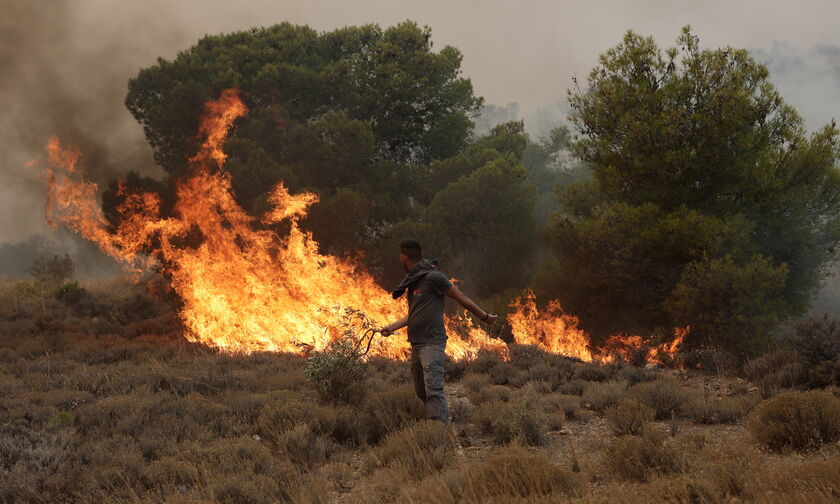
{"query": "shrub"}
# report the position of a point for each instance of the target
(573, 387)
(390, 410)
(593, 372)
(634, 374)
(304, 447)
(665, 396)
(523, 423)
(709, 359)
(338, 373)
(640, 457)
(569, 405)
(598, 396)
(796, 421)
(818, 339)
(628, 417)
(422, 449)
(707, 410)
(775, 371)
(514, 473)
(474, 382)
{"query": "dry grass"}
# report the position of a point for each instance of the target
(101, 400)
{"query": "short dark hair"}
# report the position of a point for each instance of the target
(411, 249)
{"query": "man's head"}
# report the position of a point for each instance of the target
(410, 253)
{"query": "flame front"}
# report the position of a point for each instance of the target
(244, 288)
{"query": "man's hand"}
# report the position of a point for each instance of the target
(386, 331)
(491, 318)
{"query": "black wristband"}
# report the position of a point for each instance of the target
(486, 316)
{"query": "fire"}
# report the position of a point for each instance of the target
(555, 331)
(245, 289)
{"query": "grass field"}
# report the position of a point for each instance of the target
(101, 400)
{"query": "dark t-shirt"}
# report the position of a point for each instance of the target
(425, 308)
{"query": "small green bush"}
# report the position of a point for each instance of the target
(796, 421)
(628, 417)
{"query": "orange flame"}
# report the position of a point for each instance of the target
(247, 289)
(244, 289)
(555, 331)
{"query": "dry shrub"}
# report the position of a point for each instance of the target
(593, 372)
(664, 395)
(796, 421)
(599, 396)
(775, 371)
(385, 412)
(628, 417)
(573, 387)
(169, 472)
(515, 473)
(634, 374)
(522, 421)
(489, 393)
(475, 382)
(569, 405)
(486, 362)
(304, 447)
(641, 457)
(420, 449)
(707, 410)
(29, 460)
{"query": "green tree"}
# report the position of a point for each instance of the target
(356, 114)
(481, 224)
(706, 192)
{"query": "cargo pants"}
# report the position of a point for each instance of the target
(427, 375)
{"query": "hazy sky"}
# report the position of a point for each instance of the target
(64, 64)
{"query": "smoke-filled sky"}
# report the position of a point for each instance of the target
(64, 64)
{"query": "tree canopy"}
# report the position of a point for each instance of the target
(709, 204)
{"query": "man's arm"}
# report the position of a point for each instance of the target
(455, 293)
(394, 326)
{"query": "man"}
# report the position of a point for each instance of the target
(426, 287)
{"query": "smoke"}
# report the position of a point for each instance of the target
(64, 64)
(64, 72)
(807, 78)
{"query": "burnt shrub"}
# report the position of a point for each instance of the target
(796, 421)
(515, 473)
(628, 417)
(665, 396)
(641, 457)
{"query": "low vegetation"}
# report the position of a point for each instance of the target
(101, 399)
